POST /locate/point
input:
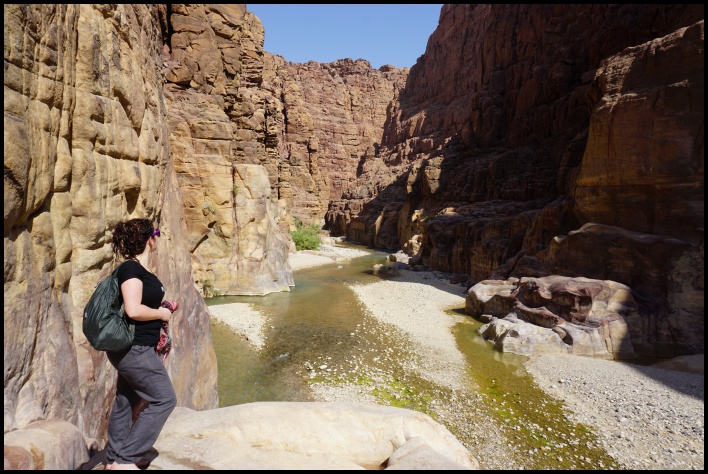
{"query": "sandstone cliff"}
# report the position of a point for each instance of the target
(219, 121)
(522, 123)
(86, 145)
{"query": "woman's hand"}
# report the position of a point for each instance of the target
(165, 313)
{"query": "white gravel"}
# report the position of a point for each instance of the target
(645, 417)
(415, 303)
(243, 320)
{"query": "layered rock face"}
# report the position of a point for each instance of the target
(231, 103)
(86, 145)
(521, 123)
(219, 121)
(335, 118)
(640, 190)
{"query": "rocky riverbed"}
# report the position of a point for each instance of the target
(639, 417)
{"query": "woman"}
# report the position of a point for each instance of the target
(141, 373)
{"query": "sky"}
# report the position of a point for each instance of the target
(381, 34)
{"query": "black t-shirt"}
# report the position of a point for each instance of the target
(147, 333)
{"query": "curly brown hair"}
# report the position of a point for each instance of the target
(130, 237)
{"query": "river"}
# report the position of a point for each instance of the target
(319, 334)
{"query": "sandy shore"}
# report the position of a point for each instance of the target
(644, 417)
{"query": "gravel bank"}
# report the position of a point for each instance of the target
(415, 302)
(243, 320)
(646, 417)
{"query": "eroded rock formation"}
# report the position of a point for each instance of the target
(522, 123)
(336, 114)
(309, 125)
(556, 314)
(219, 121)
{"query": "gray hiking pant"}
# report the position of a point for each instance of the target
(140, 375)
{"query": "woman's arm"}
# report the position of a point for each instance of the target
(132, 290)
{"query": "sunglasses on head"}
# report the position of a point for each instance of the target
(155, 234)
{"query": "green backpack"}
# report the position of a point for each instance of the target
(106, 326)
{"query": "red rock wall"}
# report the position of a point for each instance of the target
(335, 118)
(521, 123)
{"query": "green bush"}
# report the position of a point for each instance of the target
(306, 238)
(209, 290)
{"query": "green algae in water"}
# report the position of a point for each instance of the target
(533, 421)
(315, 322)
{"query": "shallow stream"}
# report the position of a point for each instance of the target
(319, 333)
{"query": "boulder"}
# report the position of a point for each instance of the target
(555, 314)
(307, 435)
(45, 445)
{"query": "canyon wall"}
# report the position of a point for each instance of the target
(522, 123)
(335, 118)
(86, 145)
(219, 123)
(310, 126)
